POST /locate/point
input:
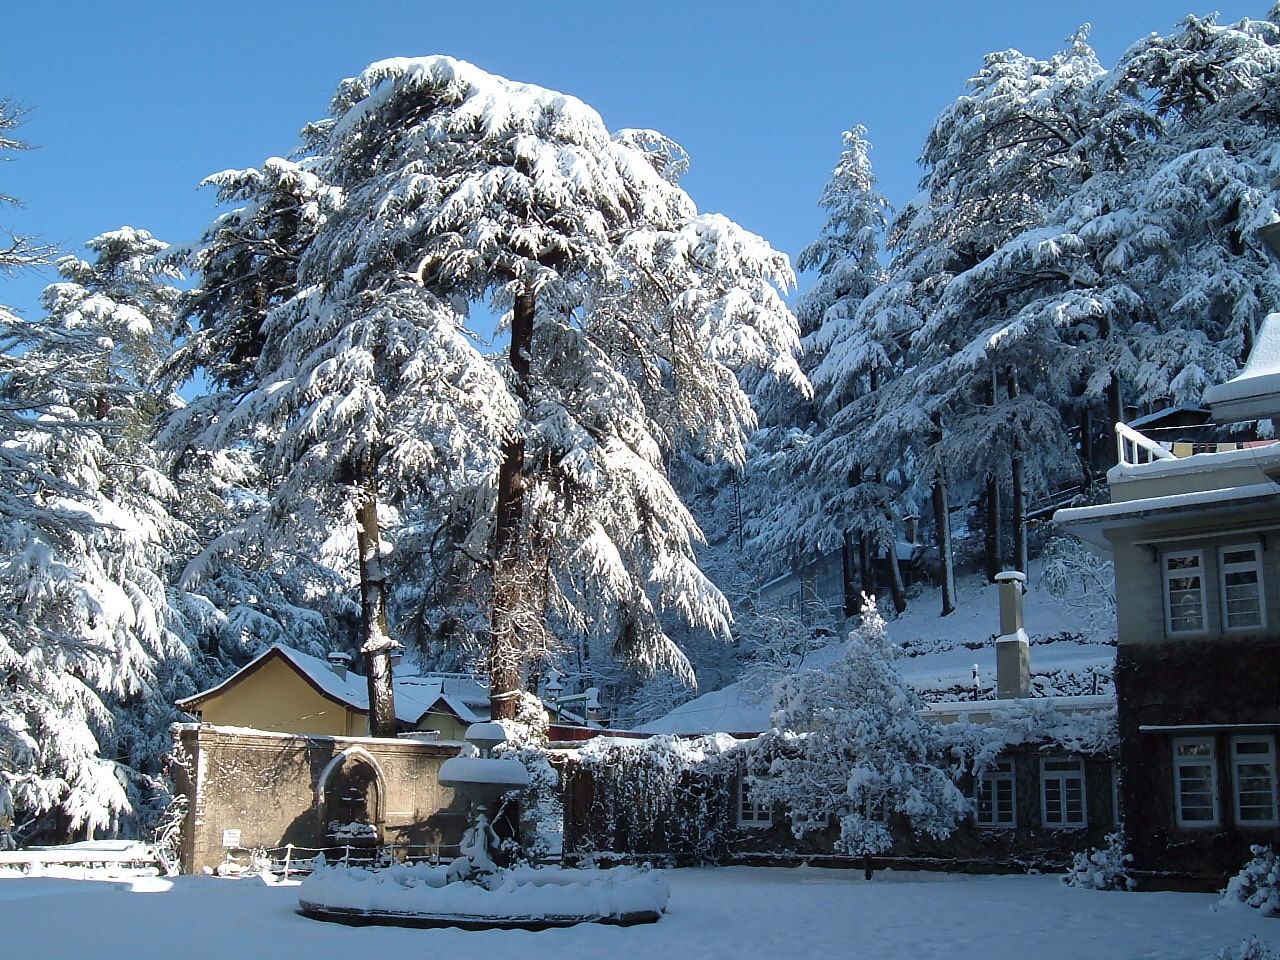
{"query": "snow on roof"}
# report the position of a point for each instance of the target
(415, 696)
(1255, 391)
(1166, 413)
(946, 650)
(1147, 506)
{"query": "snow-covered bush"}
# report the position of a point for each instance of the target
(1102, 868)
(664, 795)
(849, 743)
(1250, 949)
(1258, 884)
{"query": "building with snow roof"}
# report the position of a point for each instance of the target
(1195, 542)
(285, 691)
(1036, 743)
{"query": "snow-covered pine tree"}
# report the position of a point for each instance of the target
(849, 744)
(84, 536)
(1145, 283)
(630, 317)
(246, 263)
(245, 585)
(836, 496)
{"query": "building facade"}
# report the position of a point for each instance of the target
(1195, 542)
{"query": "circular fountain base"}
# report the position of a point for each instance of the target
(520, 898)
(355, 917)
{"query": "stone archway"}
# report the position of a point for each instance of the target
(351, 797)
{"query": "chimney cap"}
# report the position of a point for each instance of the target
(339, 656)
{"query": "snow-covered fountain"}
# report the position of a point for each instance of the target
(473, 891)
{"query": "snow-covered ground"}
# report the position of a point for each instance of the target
(743, 913)
(1070, 643)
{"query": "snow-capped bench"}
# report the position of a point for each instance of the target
(106, 853)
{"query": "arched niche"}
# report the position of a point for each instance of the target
(351, 789)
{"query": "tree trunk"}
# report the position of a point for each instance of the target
(1115, 413)
(896, 588)
(847, 576)
(865, 566)
(510, 595)
(1019, 510)
(992, 533)
(942, 521)
(1017, 467)
(1087, 455)
(376, 644)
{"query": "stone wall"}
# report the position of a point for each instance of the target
(277, 789)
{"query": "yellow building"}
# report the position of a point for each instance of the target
(285, 691)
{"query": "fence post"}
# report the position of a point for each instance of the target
(346, 855)
(288, 856)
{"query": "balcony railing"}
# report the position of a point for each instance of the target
(1134, 448)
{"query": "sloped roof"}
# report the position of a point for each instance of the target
(415, 696)
(1254, 392)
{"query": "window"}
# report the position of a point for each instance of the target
(1240, 577)
(1253, 772)
(1184, 591)
(1062, 792)
(994, 796)
(750, 812)
(1195, 782)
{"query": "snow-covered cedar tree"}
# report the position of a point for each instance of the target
(85, 640)
(1258, 884)
(1102, 868)
(969, 403)
(630, 317)
(849, 745)
(835, 498)
(846, 256)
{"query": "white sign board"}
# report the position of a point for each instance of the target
(231, 838)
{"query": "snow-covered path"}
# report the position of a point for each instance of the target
(735, 913)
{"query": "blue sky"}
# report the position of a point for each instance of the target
(131, 104)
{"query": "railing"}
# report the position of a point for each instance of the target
(292, 859)
(1134, 448)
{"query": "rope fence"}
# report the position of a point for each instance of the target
(294, 858)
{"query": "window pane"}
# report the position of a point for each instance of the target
(1254, 769)
(1195, 786)
(1252, 747)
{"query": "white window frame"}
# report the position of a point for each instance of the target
(1061, 770)
(1166, 578)
(1002, 772)
(1181, 762)
(750, 813)
(1266, 758)
(1238, 566)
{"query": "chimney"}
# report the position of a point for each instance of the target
(1013, 656)
(339, 663)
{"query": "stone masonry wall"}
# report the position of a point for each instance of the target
(269, 787)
